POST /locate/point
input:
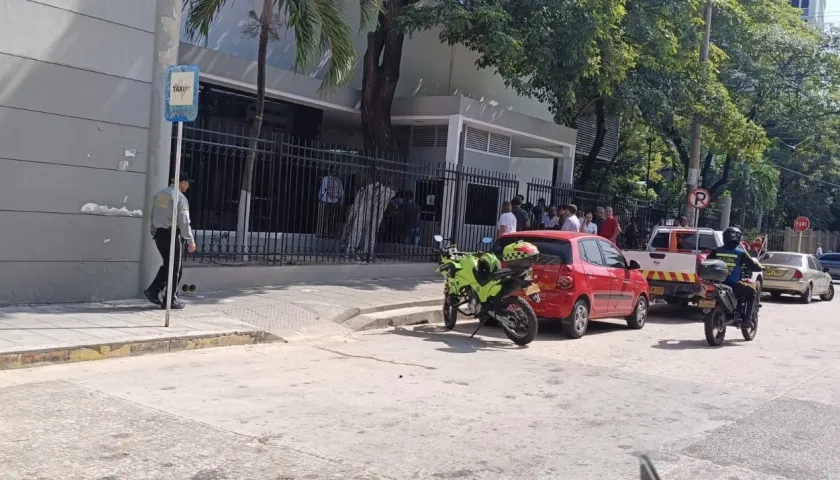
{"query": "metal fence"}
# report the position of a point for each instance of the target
(318, 203)
(313, 202)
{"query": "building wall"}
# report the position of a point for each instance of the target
(429, 68)
(75, 97)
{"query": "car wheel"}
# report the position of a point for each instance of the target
(575, 326)
(808, 294)
(637, 319)
(829, 294)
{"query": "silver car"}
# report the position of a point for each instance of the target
(796, 274)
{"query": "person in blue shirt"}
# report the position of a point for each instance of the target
(741, 265)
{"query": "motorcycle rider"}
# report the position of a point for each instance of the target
(738, 260)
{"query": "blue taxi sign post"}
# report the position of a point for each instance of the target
(181, 105)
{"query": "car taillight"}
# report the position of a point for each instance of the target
(797, 275)
(566, 279)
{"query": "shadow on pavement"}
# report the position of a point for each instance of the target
(699, 344)
(457, 340)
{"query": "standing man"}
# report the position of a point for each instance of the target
(609, 228)
(162, 233)
(523, 220)
(819, 249)
(411, 220)
(507, 220)
(572, 222)
(684, 221)
(599, 218)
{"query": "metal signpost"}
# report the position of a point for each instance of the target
(181, 105)
(800, 225)
(698, 199)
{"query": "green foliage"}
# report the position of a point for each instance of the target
(545, 49)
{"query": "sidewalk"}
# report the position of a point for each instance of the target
(39, 334)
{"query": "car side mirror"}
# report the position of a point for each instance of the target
(633, 265)
(826, 269)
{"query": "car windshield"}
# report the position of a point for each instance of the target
(787, 259)
(552, 250)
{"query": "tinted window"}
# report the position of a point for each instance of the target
(660, 240)
(688, 241)
(813, 265)
(612, 256)
(830, 258)
(590, 252)
(552, 251)
(787, 259)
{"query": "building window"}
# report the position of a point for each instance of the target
(482, 205)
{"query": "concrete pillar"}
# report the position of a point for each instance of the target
(725, 204)
(451, 192)
(167, 37)
(567, 168)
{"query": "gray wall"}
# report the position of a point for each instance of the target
(75, 98)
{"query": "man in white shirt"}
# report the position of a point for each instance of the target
(572, 222)
(507, 220)
(550, 219)
(819, 249)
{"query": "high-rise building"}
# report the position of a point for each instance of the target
(813, 11)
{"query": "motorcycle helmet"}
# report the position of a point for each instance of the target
(520, 250)
(488, 263)
(732, 237)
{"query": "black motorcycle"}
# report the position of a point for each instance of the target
(729, 310)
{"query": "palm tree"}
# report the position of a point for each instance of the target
(320, 29)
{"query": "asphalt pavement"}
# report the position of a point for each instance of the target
(423, 402)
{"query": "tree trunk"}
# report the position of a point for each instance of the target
(381, 72)
(704, 172)
(244, 213)
(597, 144)
(724, 178)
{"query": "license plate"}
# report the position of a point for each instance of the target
(532, 289)
(707, 303)
(773, 273)
(657, 290)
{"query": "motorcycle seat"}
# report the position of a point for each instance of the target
(485, 278)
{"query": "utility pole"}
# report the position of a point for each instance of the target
(696, 128)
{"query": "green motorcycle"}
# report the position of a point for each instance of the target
(477, 286)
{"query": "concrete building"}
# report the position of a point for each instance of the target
(83, 144)
(813, 11)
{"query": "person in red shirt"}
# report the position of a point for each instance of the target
(610, 228)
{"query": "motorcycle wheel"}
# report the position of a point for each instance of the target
(526, 321)
(450, 315)
(714, 326)
(749, 333)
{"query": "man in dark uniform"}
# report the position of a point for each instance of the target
(162, 234)
(739, 262)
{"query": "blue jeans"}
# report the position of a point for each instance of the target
(413, 236)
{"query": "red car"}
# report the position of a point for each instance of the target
(583, 277)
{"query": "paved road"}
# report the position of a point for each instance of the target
(424, 403)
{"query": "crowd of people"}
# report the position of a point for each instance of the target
(517, 216)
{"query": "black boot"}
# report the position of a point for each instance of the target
(152, 296)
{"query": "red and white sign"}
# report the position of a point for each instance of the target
(699, 198)
(801, 224)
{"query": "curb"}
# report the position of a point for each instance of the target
(51, 356)
(398, 317)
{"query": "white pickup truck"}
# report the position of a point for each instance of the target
(670, 263)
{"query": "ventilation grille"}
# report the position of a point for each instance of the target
(499, 144)
(429, 136)
(489, 142)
